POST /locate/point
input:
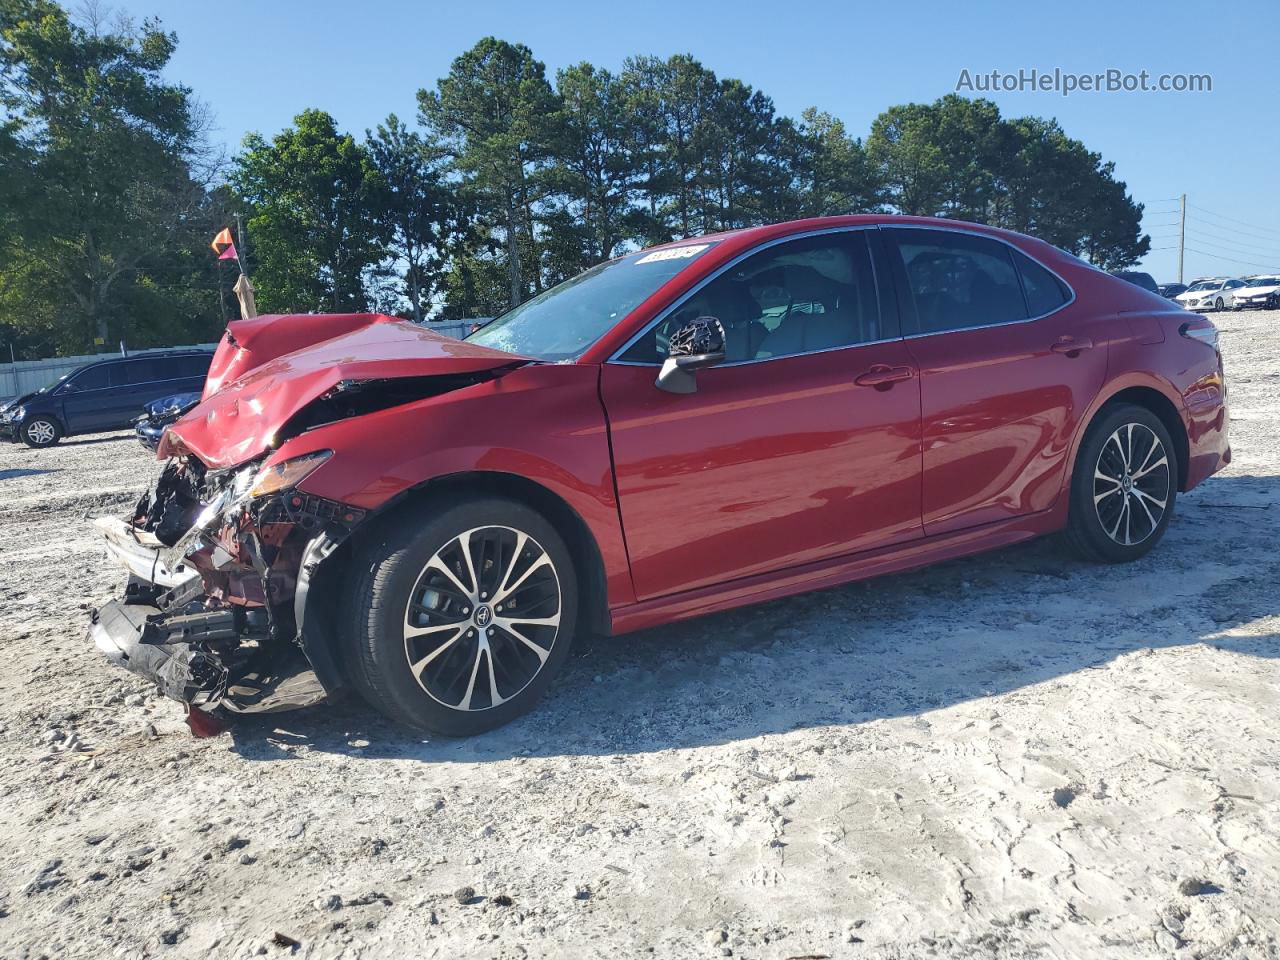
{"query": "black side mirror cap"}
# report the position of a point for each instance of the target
(694, 347)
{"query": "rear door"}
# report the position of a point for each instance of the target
(192, 371)
(172, 375)
(1007, 368)
(134, 382)
(804, 445)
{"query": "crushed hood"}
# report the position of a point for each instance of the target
(240, 420)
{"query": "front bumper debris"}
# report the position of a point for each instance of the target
(139, 552)
(130, 637)
(223, 608)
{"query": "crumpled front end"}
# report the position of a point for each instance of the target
(219, 610)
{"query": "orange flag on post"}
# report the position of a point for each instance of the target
(222, 243)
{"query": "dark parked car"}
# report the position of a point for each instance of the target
(158, 414)
(103, 395)
(1171, 290)
(1138, 278)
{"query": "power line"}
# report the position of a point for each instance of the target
(1234, 231)
(1219, 216)
(1215, 240)
(1204, 253)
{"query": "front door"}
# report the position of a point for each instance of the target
(803, 445)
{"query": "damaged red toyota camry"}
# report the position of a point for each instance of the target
(360, 504)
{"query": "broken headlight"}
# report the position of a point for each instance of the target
(287, 473)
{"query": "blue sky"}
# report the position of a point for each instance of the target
(258, 64)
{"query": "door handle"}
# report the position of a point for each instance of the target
(1071, 346)
(882, 376)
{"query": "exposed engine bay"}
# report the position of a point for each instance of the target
(216, 608)
(225, 605)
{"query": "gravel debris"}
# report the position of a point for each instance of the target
(887, 751)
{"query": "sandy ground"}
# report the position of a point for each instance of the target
(1019, 755)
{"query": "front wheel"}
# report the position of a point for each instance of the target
(41, 432)
(1217, 304)
(462, 614)
(1123, 487)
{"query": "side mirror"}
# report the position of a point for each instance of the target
(67, 387)
(695, 346)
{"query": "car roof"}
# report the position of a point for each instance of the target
(749, 236)
(732, 243)
(149, 355)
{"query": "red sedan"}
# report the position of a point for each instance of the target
(358, 503)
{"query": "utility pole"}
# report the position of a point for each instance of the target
(240, 246)
(1182, 233)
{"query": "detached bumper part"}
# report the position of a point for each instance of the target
(127, 635)
(172, 650)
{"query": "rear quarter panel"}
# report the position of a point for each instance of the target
(1146, 350)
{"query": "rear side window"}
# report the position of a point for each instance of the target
(1045, 292)
(197, 366)
(957, 281)
(168, 368)
(133, 372)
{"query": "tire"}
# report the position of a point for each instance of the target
(1218, 304)
(1102, 527)
(41, 431)
(416, 604)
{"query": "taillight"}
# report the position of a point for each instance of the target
(1202, 330)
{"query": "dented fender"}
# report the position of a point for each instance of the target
(244, 417)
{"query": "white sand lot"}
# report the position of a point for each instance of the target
(1019, 755)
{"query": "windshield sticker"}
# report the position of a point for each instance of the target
(673, 253)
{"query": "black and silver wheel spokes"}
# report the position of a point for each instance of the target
(1131, 484)
(482, 618)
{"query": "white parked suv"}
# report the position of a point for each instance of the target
(1256, 290)
(1217, 293)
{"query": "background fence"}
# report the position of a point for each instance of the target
(27, 375)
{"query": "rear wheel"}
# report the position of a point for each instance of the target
(1123, 487)
(41, 432)
(462, 615)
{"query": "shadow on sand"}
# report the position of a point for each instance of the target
(894, 646)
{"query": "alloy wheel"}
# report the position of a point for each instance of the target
(41, 432)
(1131, 484)
(482, 618)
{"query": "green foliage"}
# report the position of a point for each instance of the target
(314, 198)
(496, 112)
(108, 196)
(102, 180)
(959, 158)
(418, 211)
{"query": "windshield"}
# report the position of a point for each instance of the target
(1204, 285)
(561, 323)
(1263, 282)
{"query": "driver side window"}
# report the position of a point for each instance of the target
(802, 296)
